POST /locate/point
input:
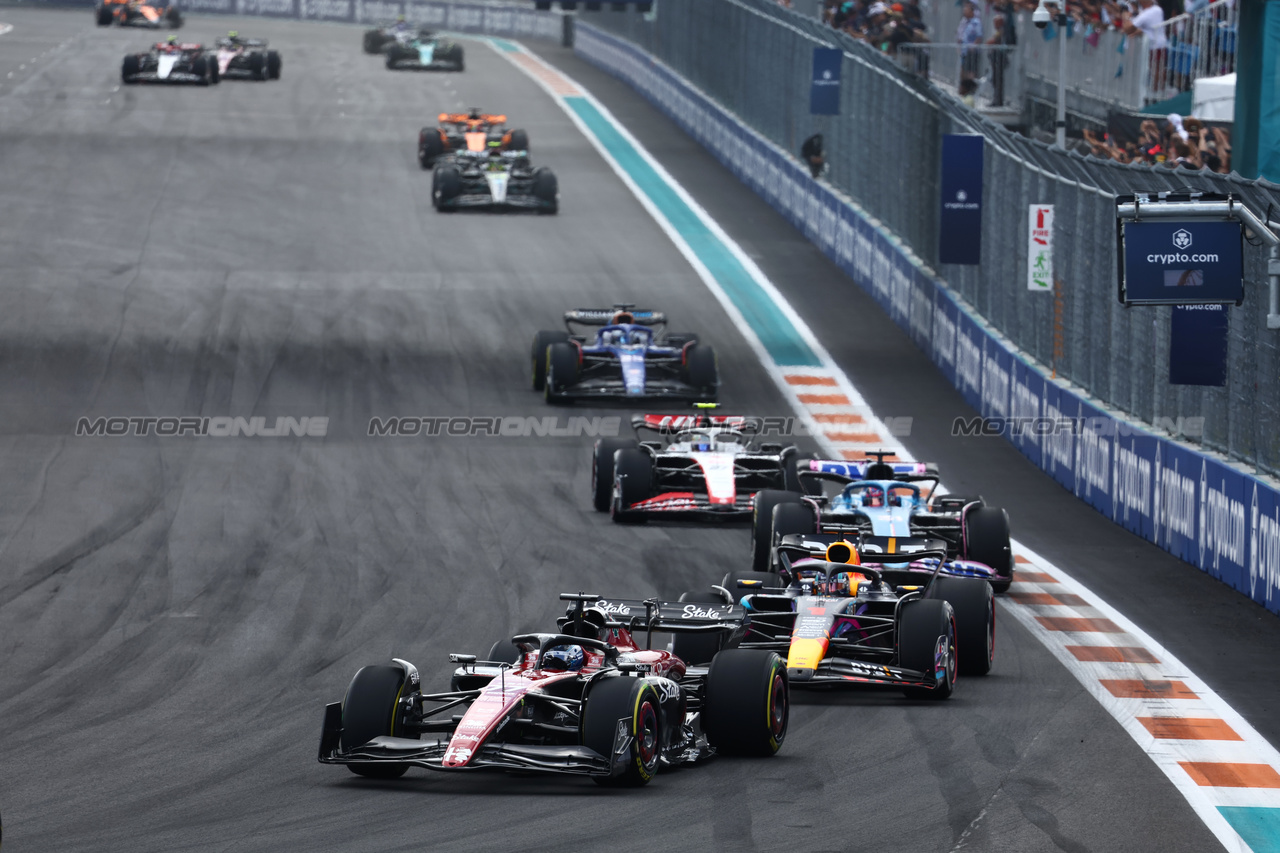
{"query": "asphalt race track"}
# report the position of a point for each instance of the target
(175, 611)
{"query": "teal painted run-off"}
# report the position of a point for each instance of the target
(1258, 826)
(779, 337)
(505, 46)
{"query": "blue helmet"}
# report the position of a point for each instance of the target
(564, 658)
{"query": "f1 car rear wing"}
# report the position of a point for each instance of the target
(465, 118)
(672, 617)
(604, 316)
(850, 471)
(668, 424)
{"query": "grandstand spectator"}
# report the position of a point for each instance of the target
(1148, 23)
(969, 33)
(812, 154)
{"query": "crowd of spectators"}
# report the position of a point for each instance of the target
(1176, 142)
(884, 25)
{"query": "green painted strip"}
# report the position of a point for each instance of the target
(505, 46)
(775, 331)
(1258, 826)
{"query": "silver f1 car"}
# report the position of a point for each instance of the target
(493, 180)
(707, 467)
(585, 700)
(171, 62)
(630, 356)
(423, 52)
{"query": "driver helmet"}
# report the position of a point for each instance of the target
(845, 583)
(172, 41)
(623, 318)
(564, 659)
(702, 441)
(233, 35)
(873, 496)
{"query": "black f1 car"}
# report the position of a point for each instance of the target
(134, 13)
(883, 499)
(708, 467)
(494, 180)
(245, 57)
(630, 356)
(378, 39)
(171, 62)
(586, 700)
(472, 131)
(875, 611)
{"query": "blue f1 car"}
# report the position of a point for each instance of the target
(630, 356)
(877, 498)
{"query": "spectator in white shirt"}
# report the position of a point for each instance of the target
(1149, 22)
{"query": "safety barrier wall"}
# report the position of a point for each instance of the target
(1208, 513)
(487, 19)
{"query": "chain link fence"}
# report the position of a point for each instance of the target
(755, 58)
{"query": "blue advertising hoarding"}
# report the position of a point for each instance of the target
(824, 91)
(1179, 262)
(1198, 345)
(960, 226)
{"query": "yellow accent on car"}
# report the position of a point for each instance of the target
(806, 654)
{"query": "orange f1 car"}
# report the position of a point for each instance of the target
(135, 13)
(471, 131)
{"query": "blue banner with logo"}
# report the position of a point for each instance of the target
(960, 227)
(1182, 262)
(824, 92)
(1198, 345)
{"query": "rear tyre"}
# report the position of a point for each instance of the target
(369, 711)
(602, 469)
(562, 371)
(173, 17)
(697, 649)
(129, 70)
(258, 65)
(373, 41)
(747, 704)
(541, 341)
(519, 141)
(701, 371)
(274, 65)
(546, 189)
(201, 69)
(215, 75)
(456, 54)
(504, 651)
(975, 609)
(430, 146)
(762, 524)
(927, 643)
(634, 704)
(632, 477)
(446, 185)
(102, 15)
(986, 538)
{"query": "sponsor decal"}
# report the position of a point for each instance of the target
(326, 10)
(694, 611)
(1264, 549)
(1222, 523)
(1131, 477)
(968, 363)
(995, 388)
(265, 7)
(613, 609)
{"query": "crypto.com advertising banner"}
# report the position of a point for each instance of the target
(1221, 520)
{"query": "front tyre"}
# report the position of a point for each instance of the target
(701, 370)
(621, 721)
(274, 65)
(632, 483)
(747, 703)
(371, 709)
(927, 643)
(541, 341)
(602, 469)
(562, 371)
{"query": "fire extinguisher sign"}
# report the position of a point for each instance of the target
(1040, 247)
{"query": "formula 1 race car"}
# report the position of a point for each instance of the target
(472, 131)
(708, 469)
(133, 13)
(585, 700)
(171, 62)
(630, 356)
(494, 180)
(883, 499)
(250, 58)
(378, 39)
(418, 52)
(843, 614)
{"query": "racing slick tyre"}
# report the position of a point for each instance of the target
(986, 538)
(455, 56)
(215, 75)
(173, 18)
(634, 704)
(201, 69)
(747, 702)
(562, 371)
(393, 56)
(700, 370)
(129, 70)
(273, 65)
(430, 146)
(446, 185)
(373, 41)
(518, 141)
(697, 649)
(369, 711)
(546, 189)
(541, 341)
(258, 65)
(632, 478)
(927, 643)
(762, 524)
(103, 16)
(759, 581)
(602, 469)
(975, 608)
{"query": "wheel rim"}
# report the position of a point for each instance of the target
(647, 734)
(951, 653)
(777, 706)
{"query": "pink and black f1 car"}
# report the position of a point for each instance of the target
(629, 356)
(880, 498)
(706, 467)
(586, 700)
